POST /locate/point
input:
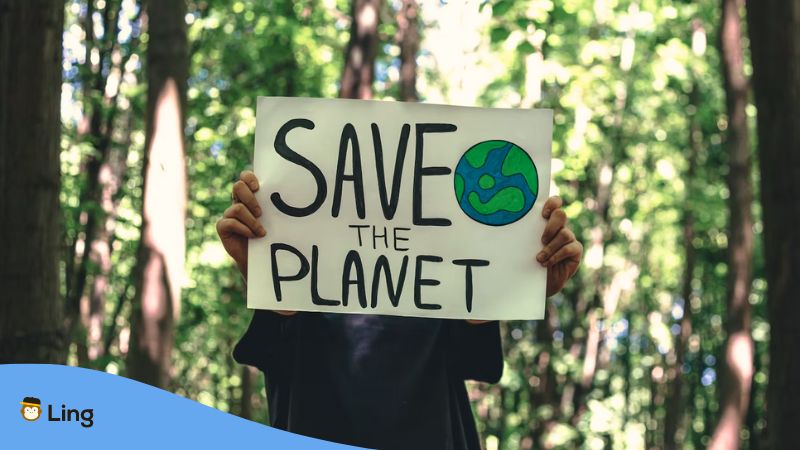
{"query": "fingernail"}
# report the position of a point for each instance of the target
(258, 211)
(541, 256)
(262, 231)
(546, 213)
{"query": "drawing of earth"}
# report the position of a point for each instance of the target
(496, 182)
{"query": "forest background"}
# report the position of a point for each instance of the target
(123, 126)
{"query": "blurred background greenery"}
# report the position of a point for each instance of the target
(631, 353)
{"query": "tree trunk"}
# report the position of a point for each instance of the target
(737, 365)
(93, 315)
(545, 393)
(97, 131)
(104, 169)
(31, 313)
(246, 402)
(599, 308)
(162, 246)
(359, 65)
(774, 28)
(408, 40)
(675, 398)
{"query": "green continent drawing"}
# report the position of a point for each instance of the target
(496, 182)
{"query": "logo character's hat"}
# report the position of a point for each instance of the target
(31, 401)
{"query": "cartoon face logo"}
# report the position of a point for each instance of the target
(31, 408)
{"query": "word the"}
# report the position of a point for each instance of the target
(377, 237)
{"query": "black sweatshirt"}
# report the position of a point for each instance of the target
(380, 382)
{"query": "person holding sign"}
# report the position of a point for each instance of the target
(377, 381)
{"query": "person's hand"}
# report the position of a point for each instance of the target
(240, 221)
(562, 252)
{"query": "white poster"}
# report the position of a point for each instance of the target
(400, 208)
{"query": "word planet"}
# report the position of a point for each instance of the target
(496, 182)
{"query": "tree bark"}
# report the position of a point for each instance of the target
(737, 364)
(362, 49)
(105, 170)
(97, 131)
(162, 246)
(774, 28)
(675, 398)
(31, 313)
(408, 40)
(246, 402)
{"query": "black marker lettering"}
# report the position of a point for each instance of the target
(290, 155)
(400, 238)
(420, 171)
(382, 265)
(353, 260)
(359, 227)
(469, 264)
(276, 277)
(315, 297)
(419, 282)
(389, 205)
(375, 236)
(349, 136)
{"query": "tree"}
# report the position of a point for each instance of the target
(162, 243)
(93, 220)
(31, 314)
(408, 40)
(774, 29)
(359, 65)
(675, 400)
(737, 364)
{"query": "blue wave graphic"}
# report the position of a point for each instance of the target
(125, 414)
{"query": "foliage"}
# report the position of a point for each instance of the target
(620, 76)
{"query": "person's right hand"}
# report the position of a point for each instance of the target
(240, 221)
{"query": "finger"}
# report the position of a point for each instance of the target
(573, 250)
(550, 205)
(556, 222)
(563, 237)
(250, 179)
(228, 226)
(243, 194)
(242, 214)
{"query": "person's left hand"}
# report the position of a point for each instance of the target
(562, 252)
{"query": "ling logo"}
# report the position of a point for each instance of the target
(31, 408)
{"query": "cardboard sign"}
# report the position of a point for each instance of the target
(400, 208)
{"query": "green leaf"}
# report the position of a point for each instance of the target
(526, 48)
(499, 34)
(501, 7)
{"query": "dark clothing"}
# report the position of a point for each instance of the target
(373, 381)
